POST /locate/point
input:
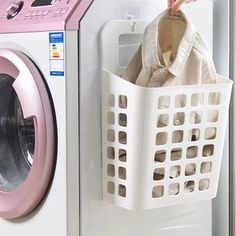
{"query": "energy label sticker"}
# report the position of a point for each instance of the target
(56, 43)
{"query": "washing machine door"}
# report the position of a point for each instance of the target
(27, 135)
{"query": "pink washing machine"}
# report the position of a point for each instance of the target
(50, 121)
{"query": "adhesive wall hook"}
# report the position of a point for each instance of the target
(128, 15)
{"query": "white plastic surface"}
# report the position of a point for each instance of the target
(130, 182)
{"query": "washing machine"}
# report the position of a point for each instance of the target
(50, 121)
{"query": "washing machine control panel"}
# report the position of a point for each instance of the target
(41, 15)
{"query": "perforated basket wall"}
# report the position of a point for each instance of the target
(161, 146)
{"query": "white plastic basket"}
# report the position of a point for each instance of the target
(145, 166)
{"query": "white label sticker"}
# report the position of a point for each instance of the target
(56, 42)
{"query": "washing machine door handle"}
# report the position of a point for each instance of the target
(29, 97)
(24, 84)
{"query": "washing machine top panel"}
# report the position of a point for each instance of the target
(41, 15)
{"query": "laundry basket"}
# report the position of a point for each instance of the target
(145, 165)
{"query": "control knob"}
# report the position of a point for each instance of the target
(14, 9)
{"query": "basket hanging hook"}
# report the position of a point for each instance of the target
(133, 28)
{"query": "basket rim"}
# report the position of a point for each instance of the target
(223, 81)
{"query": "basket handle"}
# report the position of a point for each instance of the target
(110, 39)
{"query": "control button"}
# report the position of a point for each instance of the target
(28, 14)
(58, 11)
(45, 12)
(14, 9)
(39, 13)
(64, 10)
(34, 13)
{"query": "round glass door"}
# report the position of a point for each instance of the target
(17, 138)
(27, 135)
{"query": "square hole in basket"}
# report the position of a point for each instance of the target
(123, 119)
(194, 135)
(195, 117)
(178, 118)
(173, 189)
(174, 172)
(110, 187)
(159, 174)
(160, 156)
(204, 184)
(197, 99)
(190, 169)
(122, 137)
(111, 153)
(111, 100)
(122, 155)
(162, 120)
(110, 118)
(161, 138)
(158, 191)
(122, 173)
(192, 152)
(164, 102)
(176, 154)
(212, 116)
(206, 167)
(110, 170)
(189, 186)
(180, 100)
(210, 133)
(177, 136)
(208, 150)
(122, 190)
(214, 99)
(123, 101)
(110, 135)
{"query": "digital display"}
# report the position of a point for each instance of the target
(40, 3)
